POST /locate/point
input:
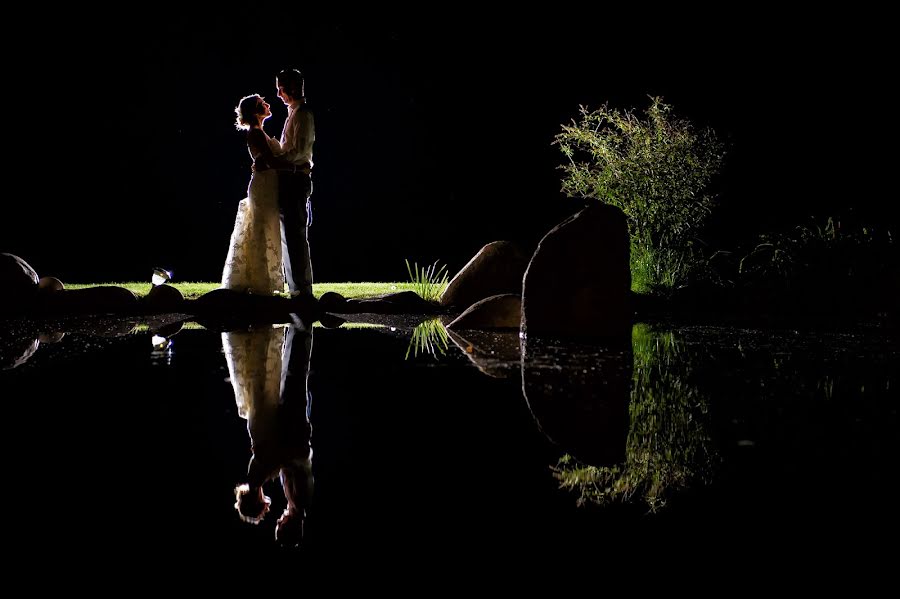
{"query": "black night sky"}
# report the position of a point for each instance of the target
(433, 132)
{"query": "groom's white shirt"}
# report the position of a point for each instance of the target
(298, 136)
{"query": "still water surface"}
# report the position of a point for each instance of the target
(403, 444)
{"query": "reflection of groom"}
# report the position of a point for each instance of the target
(294, 166)
(269, 371)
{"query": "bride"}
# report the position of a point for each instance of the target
(254, 255)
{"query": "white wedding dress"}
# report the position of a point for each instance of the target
(254, 254)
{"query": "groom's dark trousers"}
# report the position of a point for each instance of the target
(294, 191)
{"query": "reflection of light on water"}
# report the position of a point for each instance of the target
(162, 350)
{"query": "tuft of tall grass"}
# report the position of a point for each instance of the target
(428, 281)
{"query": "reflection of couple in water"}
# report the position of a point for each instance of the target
(269, 368)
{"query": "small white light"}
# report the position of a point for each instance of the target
(160, 276)
(159, 342)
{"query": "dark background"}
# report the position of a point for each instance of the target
(433, 131)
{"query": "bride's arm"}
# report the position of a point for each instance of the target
(275, 146)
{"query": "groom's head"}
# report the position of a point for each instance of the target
(290, 85)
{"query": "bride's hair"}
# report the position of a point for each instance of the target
(248, 111)
(251, 505)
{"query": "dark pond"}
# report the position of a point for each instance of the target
(405, 449)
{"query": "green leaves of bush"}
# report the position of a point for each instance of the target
(655, 169)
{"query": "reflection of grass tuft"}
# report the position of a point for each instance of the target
(429, 337)
(668, 448)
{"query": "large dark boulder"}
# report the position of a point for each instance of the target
(50, 285)
(496, 269)
(163, 298)
(18, 284)
(106, 299)
(578, 281)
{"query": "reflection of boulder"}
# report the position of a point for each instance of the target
(16, 350)
(495, 312)
(583, 406)
(494, 353)
(332, 302)
(668, 447)
(578, 281)
(51, 337)
(496, 269)
(101, 326)
(171, 329)
(330, 321)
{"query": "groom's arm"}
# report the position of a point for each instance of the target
(265, 159)
(264, 163)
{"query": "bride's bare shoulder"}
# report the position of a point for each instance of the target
(256, 135)
(257, 141)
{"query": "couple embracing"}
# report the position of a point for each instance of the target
(269, 245)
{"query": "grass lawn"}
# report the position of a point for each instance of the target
(194, 290)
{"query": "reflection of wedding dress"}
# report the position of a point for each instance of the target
(276, 408)
(254, 254)
(255, 367)
(269, 376)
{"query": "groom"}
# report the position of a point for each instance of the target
(294, 166)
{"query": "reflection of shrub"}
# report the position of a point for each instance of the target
(667, 449)
(656, 170)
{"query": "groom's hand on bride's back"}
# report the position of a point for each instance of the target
(260, 164)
